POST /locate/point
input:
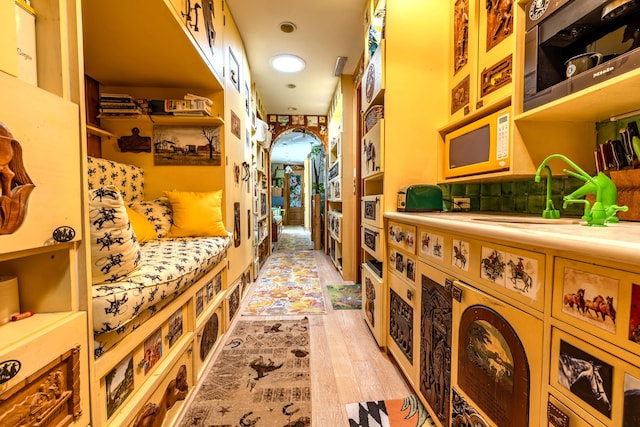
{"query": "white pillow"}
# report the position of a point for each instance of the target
(158, 212)
(115, 251)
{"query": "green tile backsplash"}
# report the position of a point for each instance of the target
(518, 196)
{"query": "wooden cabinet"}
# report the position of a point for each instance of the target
(341, 198)
(41, 252)
(401, 105)
(559, 324)
(482, 41)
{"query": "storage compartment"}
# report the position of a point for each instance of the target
(404, 331)
(403, 265)
(373, 79)
(372, 241)
(496, 360)
(372, 302)
(372, 151)
(208, 336)
(372, 210)
(433, 246)
(402, 236)
(599, 301)
(593, 382)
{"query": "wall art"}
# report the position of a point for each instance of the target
(152, 350)
(210, 335)
(236, 225)
(187, 146)
(175, 327)
(235, 124)
(234, 70)
(119, 384)
(586, 376)
(631, 415)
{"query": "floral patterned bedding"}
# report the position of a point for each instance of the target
(169, 266)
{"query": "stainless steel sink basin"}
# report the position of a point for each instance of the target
(527, 220)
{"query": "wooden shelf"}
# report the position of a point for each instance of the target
(92, 130)
(172, 120)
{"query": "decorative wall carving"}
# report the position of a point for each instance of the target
(401, 324)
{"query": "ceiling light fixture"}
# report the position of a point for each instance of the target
(287, 63)
(288, 27)
(291, 86)
(292, 108)
(339, 66)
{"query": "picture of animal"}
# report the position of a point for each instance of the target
(519, 275)
(586, 376)
(591, 298)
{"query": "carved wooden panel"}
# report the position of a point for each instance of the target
(435, 348)
(492, 366)
(499, 21)
(496, 76)
(460, 35)
(49, 397)
(460, 95)
(401, 324)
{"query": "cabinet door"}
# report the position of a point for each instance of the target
(496, 360)
(372, 302)
(47, 129)
(8, 35)
(404, 325)
(463, 40)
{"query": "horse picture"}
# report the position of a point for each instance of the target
(586, 376)
(590, 297)
(518, 274)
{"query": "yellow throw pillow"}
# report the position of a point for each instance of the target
(141, 226)
(196, 214)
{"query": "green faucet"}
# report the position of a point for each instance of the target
(604, 208)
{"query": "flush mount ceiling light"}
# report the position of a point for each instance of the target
(287, 63)
(288, 27)
(291, 86)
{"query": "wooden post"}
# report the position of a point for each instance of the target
(316, 234)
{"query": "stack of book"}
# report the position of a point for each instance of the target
(118, 105)
(191, 105)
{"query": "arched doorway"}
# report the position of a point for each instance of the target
(298, 174)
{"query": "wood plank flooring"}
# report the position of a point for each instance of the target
(346, 364)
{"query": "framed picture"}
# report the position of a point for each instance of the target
(119, 384)
(186, 146)
(322, 119)
(297, 120)
(152, 350)
(273, 118)
(235, 124)
(234, 70)
(247, 97)
(312, 121)
(283, 120)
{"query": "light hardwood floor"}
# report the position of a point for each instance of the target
(347, 366)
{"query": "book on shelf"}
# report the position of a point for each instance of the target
(206, 100)
(106, 115)
(115, 97)
(186, 105)
(120, 105)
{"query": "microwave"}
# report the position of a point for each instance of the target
(479, 147)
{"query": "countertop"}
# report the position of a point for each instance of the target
(615, 242)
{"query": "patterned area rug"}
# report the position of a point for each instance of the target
(289, 282)
(407, 412)
(293, 239)
(345, 297)
(261, 378)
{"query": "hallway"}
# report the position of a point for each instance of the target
(346, 364)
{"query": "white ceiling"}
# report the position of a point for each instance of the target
(326, 29)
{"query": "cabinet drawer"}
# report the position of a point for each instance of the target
(559, 414)
(233, 300)
(599, 301)
(335, 224)
(404, 326)
(593, 382)
(52, 356)
(402, 236)
(206, 295)
(372, 241)
(372, 151)
(373, 80)
(403, 265)
(433, 246)
(208, 337)
(372, 210)
(168, 396)
(372, 302)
